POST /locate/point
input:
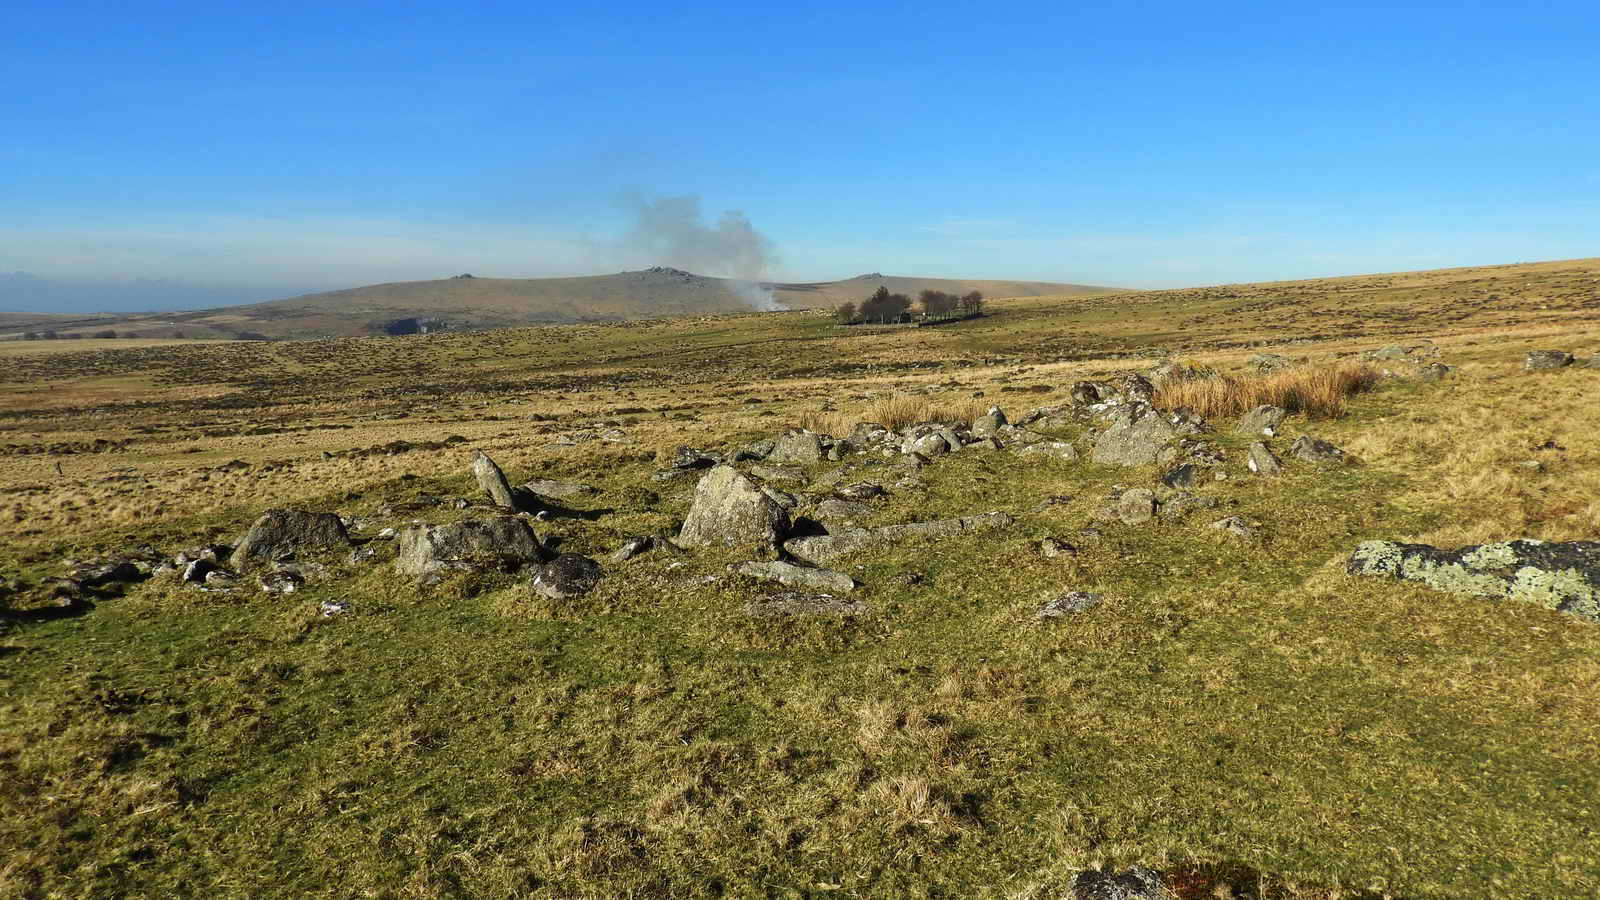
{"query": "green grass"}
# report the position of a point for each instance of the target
(1238, 707)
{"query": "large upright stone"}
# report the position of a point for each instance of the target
(1262, 460)
(492, 480)
(1138, 436)
(285, 532)
(504, 542)
(1561, 576)
(731, 510)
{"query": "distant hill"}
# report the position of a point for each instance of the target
(471, 303)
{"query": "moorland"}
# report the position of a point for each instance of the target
(1229, 708)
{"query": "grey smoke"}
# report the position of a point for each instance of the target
(671, 231)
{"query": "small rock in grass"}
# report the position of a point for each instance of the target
(1067, 604)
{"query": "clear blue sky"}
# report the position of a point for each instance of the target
(296, 146)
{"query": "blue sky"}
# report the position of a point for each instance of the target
(294, 146)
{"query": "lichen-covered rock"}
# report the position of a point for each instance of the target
(798, 448)
(1067, 604)
(730, 510)
(1262, 460)
(492, 480)
(1261, 420)
(1138, 436)
(1269, 362)
(1434, 371)
(1137, 506)
(1182, 503)
(284, 532)
(1561, 576)
(503, 542)
(791, 575)
(566, 577)
(1085, 393)
(931, 444)
(989, 424)
(1234, 526)
(1054, 449)
(1546, 359)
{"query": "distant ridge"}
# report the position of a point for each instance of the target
(473, 302)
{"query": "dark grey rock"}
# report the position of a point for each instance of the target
(1182, 503)
(504, 542)
(196, 570)
(1135, 389)
(782, 498)
(692, 458)
(1085, 393)
(1067, 604)
(1546, 359)
(1314, 450)
(1560, 576)
(281, 581)
(842, 511)
(1180, 477)
(1262, 461)
(791, 575)
(861, 490)
(1261, 420)
(730, 510)
(638, 546)
(566, 577)
(1137, 883)
(825, 549)
(113, 573)
(281, 533)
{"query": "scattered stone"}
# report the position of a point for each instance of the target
(1137, 883)
(1085, 393)
(1138, 436)
(1067, 604)
(1054, 548)
(1269, 362)
(778, 473)
(1313, 450)
(1435, 371)
(867, 434)
(795, 604)
(492, 481)
(730, 510)
(1546, 359)
(1180, 477)
(387, 534)
(1021, 437)
(281, 533)
(637, 546)
(927, 445)
(909, 579)
(861, 490)
(115, 573)
(989, 424)
(846, 511)
(782, 498)
(758, 451)
(794, 576)
(566, 577)
(1561, 576)
(692, 458)
(1234, 526)
(1137, 506)
(665, 475)
(797, 447)
(1262, 460)
(1182, 503)
(504, 542)
(362, 555)
(330, 608)
(556, 490)
(196, 570)
(1261, 420)
(824, 549)
(1054, 449)
(281, 581)
(985, 444)
(220, 578)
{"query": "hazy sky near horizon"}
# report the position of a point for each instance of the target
(239, 155)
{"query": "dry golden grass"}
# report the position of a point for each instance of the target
(1318, 391)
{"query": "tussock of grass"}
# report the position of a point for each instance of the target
(1319, 392)
(896, 411)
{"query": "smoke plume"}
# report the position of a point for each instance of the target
(671, 231)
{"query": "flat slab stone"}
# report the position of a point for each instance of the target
(824, 549)
(1561, 576)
